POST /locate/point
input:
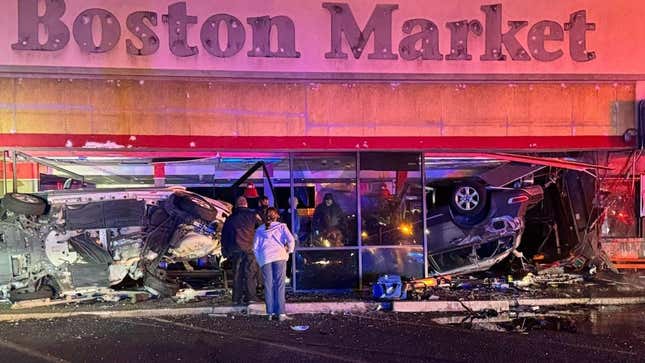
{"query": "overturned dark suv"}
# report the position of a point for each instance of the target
(480, 226)
(70, 243)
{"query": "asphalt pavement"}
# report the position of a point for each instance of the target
(614, 335)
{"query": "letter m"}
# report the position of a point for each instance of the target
(379, 24)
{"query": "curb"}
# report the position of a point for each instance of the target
(253, 309)
(333, 307)
(318, 308)
(449, 306)
(505, 305)
(582, 301)
(217, 310)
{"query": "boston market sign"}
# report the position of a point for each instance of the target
(420, 36)
(312, 39)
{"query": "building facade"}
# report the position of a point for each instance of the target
(325, 93)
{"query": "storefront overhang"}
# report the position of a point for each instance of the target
(201, 145)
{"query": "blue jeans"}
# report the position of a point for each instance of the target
(274, 274)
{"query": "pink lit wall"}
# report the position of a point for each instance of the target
(617, 40)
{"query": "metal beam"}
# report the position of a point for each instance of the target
(14, 175)
(49, 164)
(4, 172)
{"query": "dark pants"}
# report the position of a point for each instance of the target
(274, 274)
(245, 277)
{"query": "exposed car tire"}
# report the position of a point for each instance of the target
(161, 286)
(196, 206)
(468, 198)
(27, 204)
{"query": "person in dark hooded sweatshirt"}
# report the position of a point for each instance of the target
(263, 206)
(328, 217)
(272, 245)
(237, 245)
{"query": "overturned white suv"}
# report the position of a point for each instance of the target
(63, 242)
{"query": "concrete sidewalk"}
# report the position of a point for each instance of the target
(506, 305)
(330, 308)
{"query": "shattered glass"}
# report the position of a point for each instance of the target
(391, 261)
(620, 217)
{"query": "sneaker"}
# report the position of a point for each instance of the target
(284, 317)
(270, 317)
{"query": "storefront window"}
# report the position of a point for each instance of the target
(325, 186)
(325, 221)
(619, 199)
(327, 269)
(391, 199)
(404, 261)
(252, 175)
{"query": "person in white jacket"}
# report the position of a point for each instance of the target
(272, 245)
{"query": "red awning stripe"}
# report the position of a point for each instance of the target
(122, 143)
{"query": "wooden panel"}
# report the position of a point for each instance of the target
(548, 104)
(334, 104)
(477, 104)
(593, 105)
(626, 114)
(6, 121)
(159, 107)
(7, 91)
(40, 121)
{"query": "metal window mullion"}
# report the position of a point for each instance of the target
(14, 176)
(4, 171)
(293, 214)
(359, 221)
(424, 214)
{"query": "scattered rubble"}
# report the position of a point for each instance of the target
(571, 277)
(77, 297)
(187, 295)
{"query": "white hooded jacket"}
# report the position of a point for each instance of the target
(273, 244)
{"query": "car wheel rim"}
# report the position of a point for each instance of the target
(26, 198)
(467, 198)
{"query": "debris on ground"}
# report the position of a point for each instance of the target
(78, 296)
(513, 322)
(186, 295)
(300, 327)
(84, 296)
(28, 304)
(563, 278)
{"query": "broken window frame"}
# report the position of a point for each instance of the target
(634, 187)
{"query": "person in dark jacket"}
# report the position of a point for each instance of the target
(328, 221)
(237, 245)
(285, 217)
(263, 206)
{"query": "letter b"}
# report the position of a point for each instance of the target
(28, 21)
